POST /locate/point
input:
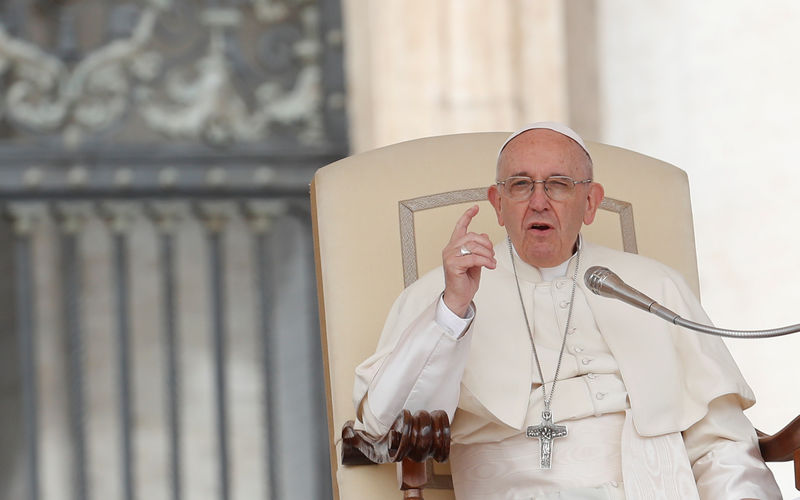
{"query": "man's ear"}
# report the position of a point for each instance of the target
(494, 198)
(594, 198)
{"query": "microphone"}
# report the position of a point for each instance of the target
(604, 282)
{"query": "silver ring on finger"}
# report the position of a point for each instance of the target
(464, 251)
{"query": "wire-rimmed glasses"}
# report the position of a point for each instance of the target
(556, 187)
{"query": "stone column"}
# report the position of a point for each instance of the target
(419, 68)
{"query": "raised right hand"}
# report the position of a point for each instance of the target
(462, 273)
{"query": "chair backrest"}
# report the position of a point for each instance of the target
(381, 218)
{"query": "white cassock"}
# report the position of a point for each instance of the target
(652, 410)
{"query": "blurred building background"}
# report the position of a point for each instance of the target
(159, 318)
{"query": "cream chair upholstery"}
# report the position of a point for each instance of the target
(382, 217)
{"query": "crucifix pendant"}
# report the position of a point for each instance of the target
(546, 432)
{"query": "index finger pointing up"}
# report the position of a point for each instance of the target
(463, 222)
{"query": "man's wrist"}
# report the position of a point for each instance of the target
(455, 324)
(461, 310)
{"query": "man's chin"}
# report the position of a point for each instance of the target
(541, 256)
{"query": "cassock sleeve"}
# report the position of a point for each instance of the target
(420, 371)
(723, 450)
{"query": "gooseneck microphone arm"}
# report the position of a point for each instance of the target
(604, 282)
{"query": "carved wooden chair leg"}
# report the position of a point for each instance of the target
(415, 477)
(797, 469)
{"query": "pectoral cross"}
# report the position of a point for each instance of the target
(546, 432)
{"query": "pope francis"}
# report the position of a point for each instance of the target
(554, 392)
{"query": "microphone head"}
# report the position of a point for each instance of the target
(605, 282)
(596, 278)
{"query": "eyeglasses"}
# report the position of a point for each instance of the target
(556, 187)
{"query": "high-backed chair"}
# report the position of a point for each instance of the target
(381, 219)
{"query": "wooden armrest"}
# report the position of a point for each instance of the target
(783, 446)
(419, 437)
(412, 440)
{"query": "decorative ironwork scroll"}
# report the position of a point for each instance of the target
(220, 73)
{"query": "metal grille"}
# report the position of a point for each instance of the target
(182, 380)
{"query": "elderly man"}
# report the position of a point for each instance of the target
(631, 406)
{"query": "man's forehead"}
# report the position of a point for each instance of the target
(551, 130)
(542, 149)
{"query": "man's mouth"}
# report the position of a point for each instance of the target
(540, 226)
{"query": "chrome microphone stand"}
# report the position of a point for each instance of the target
(606, 283)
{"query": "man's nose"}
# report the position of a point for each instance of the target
(538, 199)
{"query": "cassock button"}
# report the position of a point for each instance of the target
(591, 375)
(614, 484)
(571, 331)
(586, 361)
(600, 395)
(559, 284)
(564, 304)
(578, 349)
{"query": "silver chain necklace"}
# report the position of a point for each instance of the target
(547, 430)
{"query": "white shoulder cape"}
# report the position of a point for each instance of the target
(671, 373)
